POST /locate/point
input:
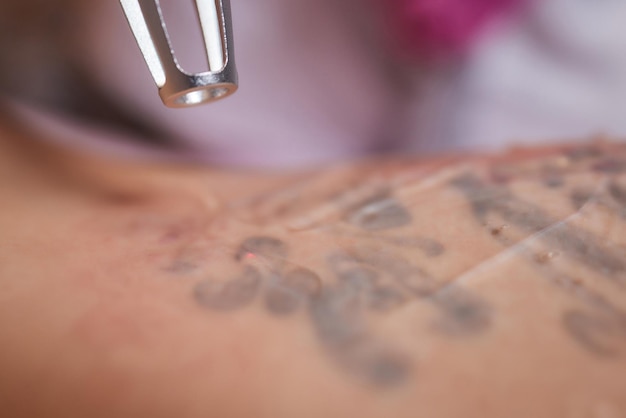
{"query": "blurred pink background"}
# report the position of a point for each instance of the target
(325, 80)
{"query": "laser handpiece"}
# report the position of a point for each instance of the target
(178, 88)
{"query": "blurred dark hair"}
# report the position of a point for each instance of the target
(35, 46)
(40, 65)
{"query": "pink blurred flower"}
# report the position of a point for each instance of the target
(437, 27)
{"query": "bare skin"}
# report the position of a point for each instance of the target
(475, 287)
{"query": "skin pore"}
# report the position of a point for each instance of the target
(475, 286)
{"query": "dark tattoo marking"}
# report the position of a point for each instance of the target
(598, 333)
(583, 246)
(610, 166)
(587, 250)
(351, 272)
(428, 246)
(384, 298)
(181, 267)
(581, 153)
(417, 281)
(554, 181)
(304, 281)
(410, 277)
(431, 247)
(376, 365)
(463, 313)
(618, 193)
(364, 281)
(380, 213)
(335, 317)
(580, 198)
(358, 278)
(230, 295)
(267, 247)
(501, 174)
(552, 177)
(576, 288)
(594, 333)
(288, 293)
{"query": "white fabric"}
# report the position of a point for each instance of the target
(556, 73)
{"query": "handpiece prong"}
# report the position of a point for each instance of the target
(178, 88)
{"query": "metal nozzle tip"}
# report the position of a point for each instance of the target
(176, 87)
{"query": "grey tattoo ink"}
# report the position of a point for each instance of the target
(181, 267)
(376, 365)
(610, 165)
(287, 293)
(229, 295)
(580, 153)
(266, 247)
(602, 331)
(618, 193)
(385, 298)
(336, 318)
(428, 246)
(366, 282)
(380, 213)
(409, 277)
(595, 333)
(580, 198)
(358, 278)
(583, 246)
(462, 313)
(334, 315)
(553, 181)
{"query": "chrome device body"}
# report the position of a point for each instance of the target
(178, 88)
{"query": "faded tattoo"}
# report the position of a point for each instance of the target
(601, 331)
(599, 334)
(339, 324)
(582, 246)
(228, 295)
(378, 272)
(379, 212)
(266, 247)
(286, 293)
(462, 313)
